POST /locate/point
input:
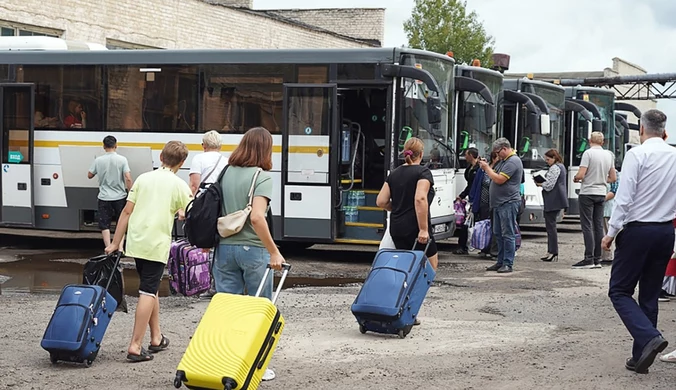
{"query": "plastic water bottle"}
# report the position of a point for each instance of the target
(350, 212)
(352, 198)
(361, 198)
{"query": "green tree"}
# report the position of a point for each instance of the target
(444, 25)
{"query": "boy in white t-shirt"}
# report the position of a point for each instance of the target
(208, 165)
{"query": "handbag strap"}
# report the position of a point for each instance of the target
(212, 169)
(253, 185)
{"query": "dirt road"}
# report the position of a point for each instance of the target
(545, 326)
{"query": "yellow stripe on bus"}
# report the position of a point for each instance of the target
(319, 150)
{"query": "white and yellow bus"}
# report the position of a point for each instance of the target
(337, 116)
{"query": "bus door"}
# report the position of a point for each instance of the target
(309, 163)
(16, 126)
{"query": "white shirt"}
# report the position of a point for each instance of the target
(647, 190)
(203, 163)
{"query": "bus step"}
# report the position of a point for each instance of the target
(360, 232)
(354, 241)
(366, 225)
(371, 215)
(348, 181)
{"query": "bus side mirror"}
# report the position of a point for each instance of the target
(490, 115)
(590, 129)
(433, 110)
(597, 125)
(545, 124)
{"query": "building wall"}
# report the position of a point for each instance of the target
(626, 68)
(364, 23)
(170, 24)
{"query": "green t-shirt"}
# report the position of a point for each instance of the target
(157, 196)
(236, 183)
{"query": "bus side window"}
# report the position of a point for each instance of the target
(238, 97)
(67, 97)
(156, 99)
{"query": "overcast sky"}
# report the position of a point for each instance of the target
(553, 35)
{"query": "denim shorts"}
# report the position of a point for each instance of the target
(240, 268)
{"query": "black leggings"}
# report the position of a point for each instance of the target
(406, 242)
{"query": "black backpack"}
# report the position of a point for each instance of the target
(202, 213)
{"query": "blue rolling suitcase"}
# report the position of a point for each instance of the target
(393, 291)
(79, 322)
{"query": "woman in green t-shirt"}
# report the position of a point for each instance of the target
(242, 259)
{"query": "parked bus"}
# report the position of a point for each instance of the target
(478, 105)
(601, 104)
(338, 118)
(533, 123)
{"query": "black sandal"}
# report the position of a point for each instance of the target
(144, 356)
(164, 344)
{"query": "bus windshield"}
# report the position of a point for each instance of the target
(413, 110)
(532, 145)
(580, 138)
(473, 131)
(605, 102)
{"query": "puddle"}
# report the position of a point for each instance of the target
(39, 275)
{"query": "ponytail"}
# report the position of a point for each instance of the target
(413, 149)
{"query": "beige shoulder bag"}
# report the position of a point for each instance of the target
(232, 223)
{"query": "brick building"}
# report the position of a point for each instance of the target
(181, 24)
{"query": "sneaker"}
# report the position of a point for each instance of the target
(505, 269)
(461, 252)
(494, 267)
(664, 297)
(669, 358)
(268, 375)
(597, 265)
(584, 264)
(208, 294)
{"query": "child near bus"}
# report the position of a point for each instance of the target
(148, 220)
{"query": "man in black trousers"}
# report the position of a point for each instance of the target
(642, 222)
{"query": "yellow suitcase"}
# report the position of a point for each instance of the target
(234, 341)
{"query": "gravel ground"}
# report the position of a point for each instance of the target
(544, 326)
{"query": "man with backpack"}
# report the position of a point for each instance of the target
(204, 170)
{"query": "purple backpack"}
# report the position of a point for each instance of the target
(481, 235)
(189, 271)
(460, 212)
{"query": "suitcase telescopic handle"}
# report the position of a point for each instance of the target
(429, 240)
(118, 256)
(285, 271)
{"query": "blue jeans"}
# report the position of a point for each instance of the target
(240, 267)
(504, 218)
(642, 253)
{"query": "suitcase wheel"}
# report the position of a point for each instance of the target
(362, 329)
(53, 359)
(401, 334)
(88, 363)
(178, 380)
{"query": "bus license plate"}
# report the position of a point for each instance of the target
(440, 228)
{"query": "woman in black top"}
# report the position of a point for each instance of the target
(408, 193)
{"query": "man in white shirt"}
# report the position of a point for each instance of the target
(645, 207)
(596, 169)
(204, 170)
(206, 167)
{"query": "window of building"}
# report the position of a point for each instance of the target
(159, 99)
(239, 97)
(8, 29)
(66, 97)
(114, 44)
